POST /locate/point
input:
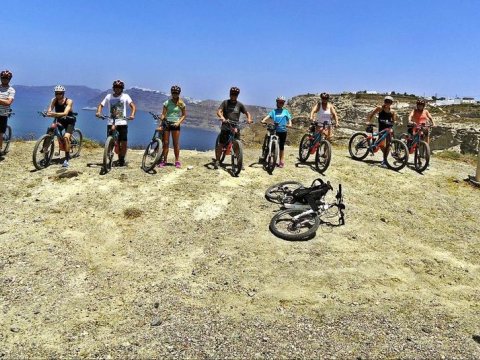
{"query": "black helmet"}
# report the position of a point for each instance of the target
(118, 83)
(325, 96)
(234, 90)
(421, 101)
(175, 89)
(6, 74)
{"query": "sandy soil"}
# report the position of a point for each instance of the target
(182, 263)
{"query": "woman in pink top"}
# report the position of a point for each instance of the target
(421, 116)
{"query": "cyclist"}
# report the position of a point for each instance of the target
(7, 94)
(420, 116)
(61, 108)
(229, 110)
(324, 111)
(386, 119)
(282, 119)
(174, 112)
(116, 104)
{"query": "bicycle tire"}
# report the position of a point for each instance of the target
(43, 151)
(152, 155)
(323, 156)
(76, 143)
(304, 148)
(237, 157)
(272, 157)
(265, 148)
(358, 146)
(7, 136)
(287, 232)
(397, 156)
(421, 158)
(108, 154)
(276, 192)
(222, 155)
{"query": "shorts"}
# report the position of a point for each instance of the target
(171, 127)
(122, 131)
(3, 124)
(224, 134)
(282, 136)
(68, 125)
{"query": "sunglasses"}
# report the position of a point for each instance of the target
(388, 102)
(59, 93)
(175, 93)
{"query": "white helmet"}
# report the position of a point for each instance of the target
(281, 98)
(389, 98)
(59, 88)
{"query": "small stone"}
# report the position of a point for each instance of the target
(194, 272)
(189, 167)
(156, 322)
(383, 219)
(14, 329)
(156, 305)
(426, 330)
(409, 338)
(251, 294)
(265, 339)
(410, 212)
(476, 338)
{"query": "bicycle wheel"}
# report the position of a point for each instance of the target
(222, 156)
(397, 156)
(304, 148)
(76, 143)
(277, 192)
(323, 156)
(358, 146)
(152, 155)
(108, 154)
(7, 136)
(237, 157)
(43, 152)
(284, 226)
(422, 156)
(264, 149)
(272, 157)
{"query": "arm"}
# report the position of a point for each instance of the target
(6, 102)
(249, 117)
(50, 113)
(429, 116)
(313, 112)
(265, 119)
(373, 113)
(133, 110)
(164, 113)
(184, 115)
(220, 112)
(68, 108)
(410, 117)
(334, 114)
(396, 119)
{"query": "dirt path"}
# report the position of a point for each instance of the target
(198, 273)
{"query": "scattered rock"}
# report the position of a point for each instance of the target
(14, 329)
(410, 212)
(383, 219)
(132, 213)
(476, 338)
(156, 322)
(156, 305)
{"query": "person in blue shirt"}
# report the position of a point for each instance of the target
(282, 119)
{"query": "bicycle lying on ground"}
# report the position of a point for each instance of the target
(7, 135)
(315, 142)
(44, 148)
(304, 209)
(363, 143)
(270, 149)
(153, 151)
(112, 145)
(416, 144)
(233, 147)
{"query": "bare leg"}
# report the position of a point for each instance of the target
(166, 139)
(176, 144)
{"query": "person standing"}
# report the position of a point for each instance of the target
(116, 104)
(7, 95)
(324, 111)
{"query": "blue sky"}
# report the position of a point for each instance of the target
(267, 48)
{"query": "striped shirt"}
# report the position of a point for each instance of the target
(6, 92)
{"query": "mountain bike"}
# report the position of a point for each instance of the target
(7, 135)
(315, 142)
(153, 151)
(112, 145)
(44, 148)
(363, 143)
(416, 144)
(282, 193)
(301, 222)
(270, 149)
(233, 147)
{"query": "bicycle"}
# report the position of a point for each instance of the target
(111, 144)
(7, 135)
(153, 151)
(363, 143)
(44, 148)
(270, 149)
(301, 221)
(315, 142)
(282, 193)
(416, 144)
(233, 147)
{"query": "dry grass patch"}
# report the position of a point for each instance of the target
(132, 213)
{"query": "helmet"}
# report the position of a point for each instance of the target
(175, 89)
(59, 88)
(280, 99)
(325, 95)
(118, 83)
(388, 98)
(6, 74)
(234, 90)
(421, 101)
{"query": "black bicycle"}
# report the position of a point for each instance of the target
(270, 149)
(301, 222)
(154, 149)
(7, 135)
(111, 144)
(44, 148)
(233, 147)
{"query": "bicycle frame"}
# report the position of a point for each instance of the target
(272, 136)
(317, 135)
(418, 135)
(378, 138)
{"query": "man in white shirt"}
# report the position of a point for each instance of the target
(7, 94)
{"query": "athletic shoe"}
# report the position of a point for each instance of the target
(383, 164)
(281, 165)
(215, 165)
(178, 165)
(65, 164)
(161, 164)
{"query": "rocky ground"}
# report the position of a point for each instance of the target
(181, 263)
